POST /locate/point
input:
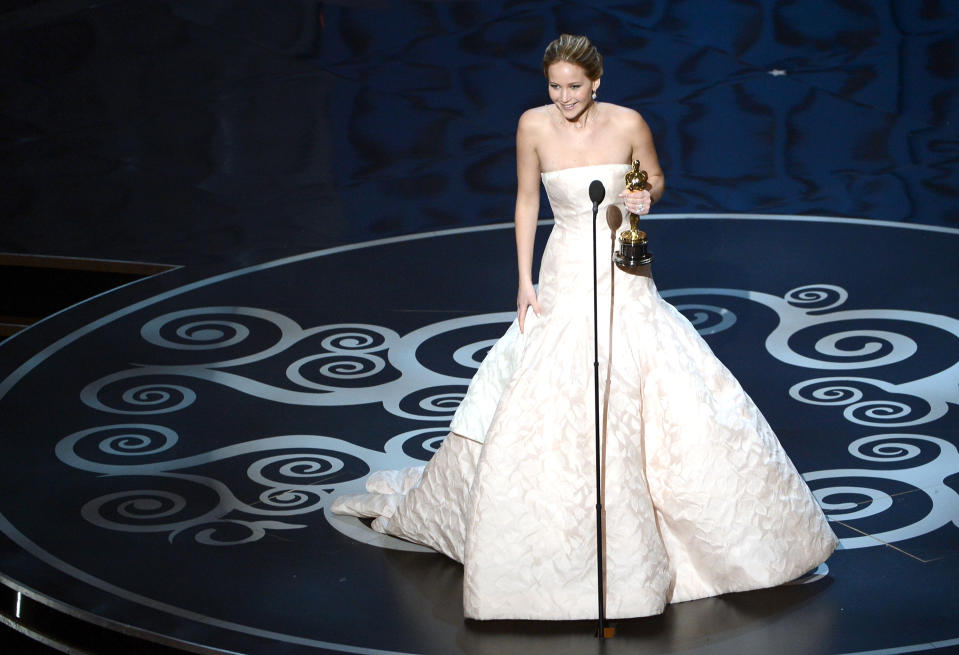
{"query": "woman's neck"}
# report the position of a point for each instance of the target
(586, 118)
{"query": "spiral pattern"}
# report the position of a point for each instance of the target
(876, 503)
(134, 444)
(206, 334)
(418, 444)
(441, 402)
(817, 297)
(261, 331)
(867, 347)
(830, 393)
(297, 468)
(932, 502)
(892, 447)
(362, 364)
(225, 533)
(708, 319)
(335, 366)
(151, 398)
(123, 440)
(288, 498)
(356, 339)
(159, 395)
(881, 412)
(471, 355)
(142, 510)
(433, 445)
(878, 412)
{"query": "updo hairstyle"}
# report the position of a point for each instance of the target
(576, 50)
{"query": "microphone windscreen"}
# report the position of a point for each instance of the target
(596, 191)
(614, 217)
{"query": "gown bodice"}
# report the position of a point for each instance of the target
(566, 272)
(568, 193)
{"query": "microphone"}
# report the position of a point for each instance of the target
(614, 217)
(596, 193)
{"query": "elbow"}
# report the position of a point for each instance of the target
(527, 203)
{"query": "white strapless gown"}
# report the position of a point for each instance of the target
(700, 497)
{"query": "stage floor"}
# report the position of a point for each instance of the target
(171, 448)
(333, 180)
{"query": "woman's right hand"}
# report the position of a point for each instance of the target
(525, 298)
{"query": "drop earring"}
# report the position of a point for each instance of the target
(594, 95)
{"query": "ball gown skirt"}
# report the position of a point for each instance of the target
(700, 497)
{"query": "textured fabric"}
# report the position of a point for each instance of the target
(700, 497)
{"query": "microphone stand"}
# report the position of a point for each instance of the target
(597, 193)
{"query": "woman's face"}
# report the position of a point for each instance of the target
(569, 89)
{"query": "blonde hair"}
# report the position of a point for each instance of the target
(576, 50)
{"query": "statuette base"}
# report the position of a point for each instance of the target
(632, 254)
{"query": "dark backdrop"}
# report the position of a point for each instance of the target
(216, 133)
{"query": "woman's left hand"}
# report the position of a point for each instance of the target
(637, 202)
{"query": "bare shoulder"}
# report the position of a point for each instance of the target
(534, 119)
(626, 118)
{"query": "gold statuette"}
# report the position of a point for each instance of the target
(633, 244)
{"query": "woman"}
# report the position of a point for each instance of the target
(700, 498)
(572, 132)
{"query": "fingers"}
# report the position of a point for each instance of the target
(522, 310)
(637, 202)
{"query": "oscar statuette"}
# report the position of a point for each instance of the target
(633, 244)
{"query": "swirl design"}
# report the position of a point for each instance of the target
(135, 511)
(206, 335)
(472, 355)
(334, 367)
(810, 308)
(708, 319)
(297, 480)
(877, 502)
(152, 395)
(228, 533)
(152, 398)
(418, 444)
(817, 296)
(359, 364)
(889, 451)
(355, 340)
(830, 345)
(293, 481)
(933, 460)
(214, 331)
(122, 440)
(907, 410)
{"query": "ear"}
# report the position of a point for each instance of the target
(596, 84)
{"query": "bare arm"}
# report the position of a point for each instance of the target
(527, 211)
(645, 151)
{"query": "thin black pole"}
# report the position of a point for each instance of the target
(601, 628)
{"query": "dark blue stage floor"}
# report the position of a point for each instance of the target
(338, 191)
